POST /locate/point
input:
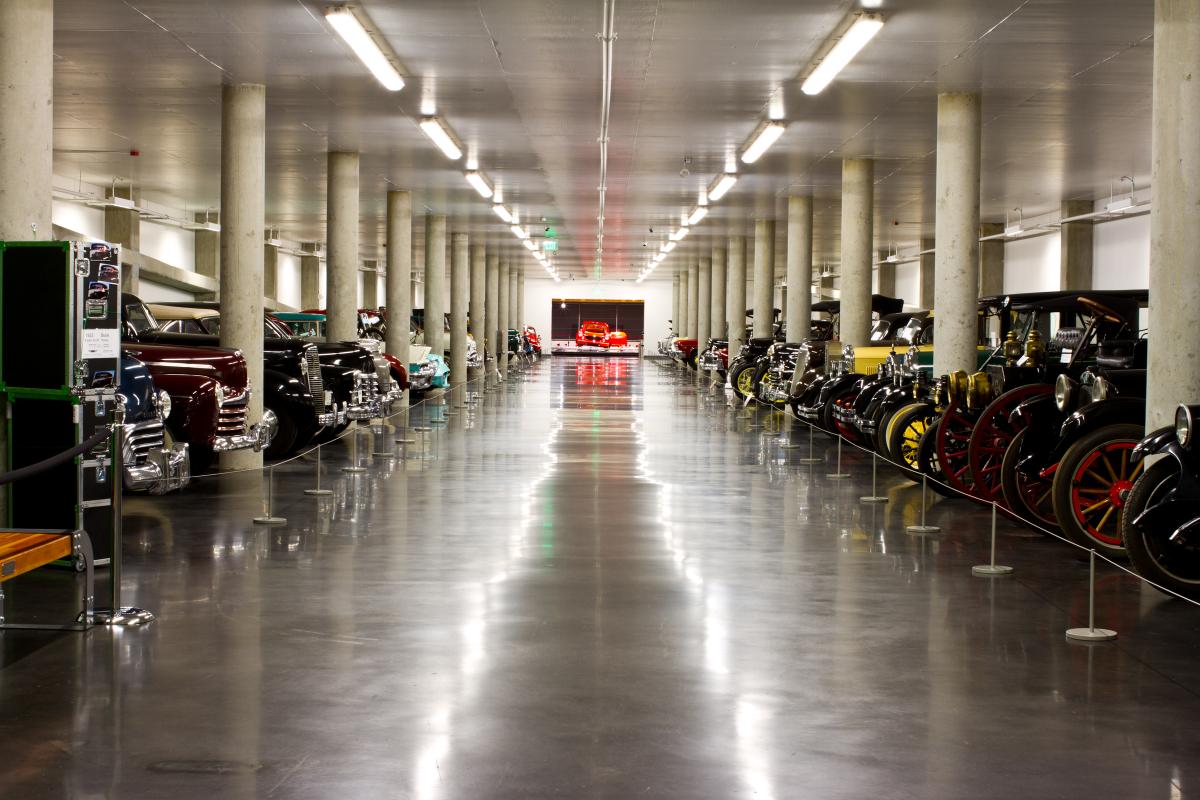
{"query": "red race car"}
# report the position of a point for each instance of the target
(592, 334)
(618, 339)
(531, 336)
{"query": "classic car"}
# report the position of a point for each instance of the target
(618, 339)
(311, 325)
(592, 334)
(153, 461)
(295, 406)
(715, 356)
(532, 340)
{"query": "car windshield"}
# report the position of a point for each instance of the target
(595, 327)
(880, 330)
(909, 331)
(138, 317)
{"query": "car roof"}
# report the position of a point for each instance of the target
(298, 316)
(164, 311)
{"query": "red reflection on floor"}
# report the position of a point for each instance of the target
(601, 372)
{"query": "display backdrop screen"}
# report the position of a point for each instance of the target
(621, 315)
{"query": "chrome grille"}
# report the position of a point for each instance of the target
(140, 439)
(231, 417)
(316, 385)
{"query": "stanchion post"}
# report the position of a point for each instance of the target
(923, 528)
(318, 491)
(270, 518)
(1091, 633)
(811, 458)
(992, 569)
(874, 496)
(838, 475)
(354, 468)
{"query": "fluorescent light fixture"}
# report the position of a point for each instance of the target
(436, 130)
(1014, 230)
(342, 20)
(202, 226)
(766, 135)
(529, 245)
(668, 247)
(680, 234)
(480, 184)
(503, 213)
(519, 232)
(1119, 206)
(722, 186)
(855, 39)
(698, 213)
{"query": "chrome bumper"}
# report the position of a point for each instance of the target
(161, 471)
(419, 382)
(777, 390)
(709, 361)
(366, 401)
(258, 437)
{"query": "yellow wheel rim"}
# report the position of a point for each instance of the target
(746, 382)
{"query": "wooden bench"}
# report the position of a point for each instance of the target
(26, 550)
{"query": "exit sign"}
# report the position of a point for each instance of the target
(550, 245)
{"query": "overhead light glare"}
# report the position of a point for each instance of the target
(698, 213)
(680, 234)
(480, 184)
(862, 31)
(762, 140)
(436, 130)
(519, 232)
(722, 186)
(529, 245)
(668, 247)
(503, 213)
(347, 26)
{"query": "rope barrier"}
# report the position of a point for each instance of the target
(56, 460)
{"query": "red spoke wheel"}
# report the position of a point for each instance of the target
(991, 437)
(953, 448)
(1028, 498)
(1092, 483)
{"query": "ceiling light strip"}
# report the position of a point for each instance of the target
(861, 31)
(353, 32)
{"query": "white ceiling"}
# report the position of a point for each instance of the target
(1065, 87)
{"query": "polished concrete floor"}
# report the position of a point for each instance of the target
(594, 581)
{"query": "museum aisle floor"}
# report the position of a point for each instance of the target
(595, 581)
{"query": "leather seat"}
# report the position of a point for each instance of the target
(1122, 354)
(1064, 339)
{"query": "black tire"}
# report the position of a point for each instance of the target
(735, 375)
(1074, 475)
(927, 456)
(1012, 489)
(879, 440)
(284, 440)
(904, 432)
(1174, 566)
(827, 419)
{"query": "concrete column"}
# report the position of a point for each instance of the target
(681, 327)
(341, 258)
(243, 207)
(460, 296)
(1075, 247)
(764, 278)
(398, 286)
(270, 287)
(956, 262)
(310, 276)
(520, 299)
(858, 220)
(514, 281)
(885, 275)
(369, 275)
(206, 247)
(477, 315)
(735, 295)
(491, 313)
(123, 226)
(991, 260)
(502, 318)
(799, 267)
(925, 275)
(693, 299)
(1174, 369)
(27, 124)
(675, 288)
(435, 282)
(704, 301)
(717, 323)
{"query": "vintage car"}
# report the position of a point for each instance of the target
(311, 325)
(715, 356)
(618, 339)
(153, 461)
(593, 334)
(532, 341)
(295, 405)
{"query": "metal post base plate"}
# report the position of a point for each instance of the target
(126, 617)
(406, 441)
(1091, 634)
(921, 530)
(812, 460)
(382, 455)
(422, 429)
(989, 570)
(873, 498)
(354, 470)
(837, 476)
(318, 492)
(270, 520)
(790, 446)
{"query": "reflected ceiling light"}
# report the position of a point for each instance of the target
(855, 39)
(668, 247)
(342, 20)
(529, 245)
(765, 136)
(437, 131)
(479, 183)
(680, 234)
(519, 232)
(722, 186)
(698, 213)
(503, 213)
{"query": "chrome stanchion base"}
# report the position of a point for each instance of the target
(125, 617)
(811, 460)
(992, 570)
(1091, 634)
(872, 498)
(318, 492)
(921, 530)
(270, 520)
(837, 476)
(406, 441)
(354, 470)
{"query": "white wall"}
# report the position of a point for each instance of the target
(157, 293)
(908, 283)
(656, 294)
(79, 218)
(1121, 254)
(169, 244)
(287, 280)
(1032, 265)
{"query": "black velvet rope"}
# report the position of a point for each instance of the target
(55, 460)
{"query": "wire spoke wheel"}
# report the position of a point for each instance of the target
(991, 437)
(953, 449)
(1093, 482)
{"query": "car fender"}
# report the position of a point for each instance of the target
(289, 395)
(1092, 417)
(193, 409)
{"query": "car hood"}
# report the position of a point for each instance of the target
(163, 360)
(137, 388)
(345, 354)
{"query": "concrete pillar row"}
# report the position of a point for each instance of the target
(27, 124)
(491, 313)
(398, 286)
(1174, 369)
(735, 295)
(435, 283)
(310, 276)
(502, 319)
(206, 247)
(520, 300)
(693, 299)
(460, 295)
(718, 318)
(369, 275)
(885, 275)
(243, 207)
(675, 288)
(514, 282)
(858, 223)
(681, 327)
(956, 230)
(991, 260)
(1075, 247)
(925, 275)
(477, 314)
(764, 278)
(799, 267)
(704, 300)
(123, 226)
(341, 267)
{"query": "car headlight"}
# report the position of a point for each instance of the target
(1064, 392)
(1101, 389)
(848, 352)
(164, 403)
(304, 367)
(221, 393)
(1183, 425)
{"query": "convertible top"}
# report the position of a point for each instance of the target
(1125, 302)
(880, 304)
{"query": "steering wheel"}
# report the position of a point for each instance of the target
(1101, 310)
